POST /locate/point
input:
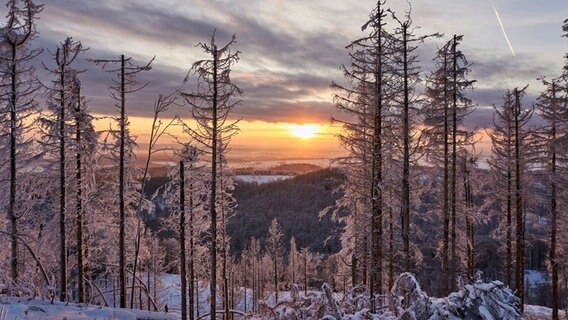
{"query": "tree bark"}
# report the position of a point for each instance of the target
(454, 165)
(62, 184)
(520, 269)
(406, 158)
(446, 213)
(122, 214)
(192, 284)
(509, 258)
(376, 282)
(213, 193)
(182, 258)
(79, 199)
(12, 202)
(553, 209)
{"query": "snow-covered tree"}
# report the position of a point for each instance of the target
(184, 195)
(122, 153)
(446, 107)
(366, 100)
(19, 86)
(293, 262)
(213, 98)
(275, 249)
(553, 108)
(86, 146)
(406, 102)
(58, 130)
(512, 149)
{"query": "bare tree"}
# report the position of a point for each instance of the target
(446, 108)
(553, 104)
(512, 153)
(366, 99)
(520, 119)
(408, 71)
(125, 84)
(158, 130)
(212, 101)
(501, 163)
(86, 140)
(60, 102)
(19, 89)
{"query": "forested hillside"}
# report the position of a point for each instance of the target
(296, 204)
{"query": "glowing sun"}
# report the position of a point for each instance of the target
(304, 131)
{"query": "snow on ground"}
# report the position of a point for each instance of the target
(30, 309)
(170, 296)
(261, 179)
(539, 313)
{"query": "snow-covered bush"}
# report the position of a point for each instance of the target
(406, 301)
(484, 301)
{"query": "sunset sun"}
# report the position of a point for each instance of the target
(304, 131)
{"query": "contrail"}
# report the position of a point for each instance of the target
(503, 28)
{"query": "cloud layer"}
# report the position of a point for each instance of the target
(292, 49)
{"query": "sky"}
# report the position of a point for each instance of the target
(291, 52)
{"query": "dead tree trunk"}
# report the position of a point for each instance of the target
(12, 202)
(520, 260)
(509, 258)
(79, 197)
(446, 213)
(121, 209)
(193, 287)
(453, 188)
(213, 192)
(182, 258)
(62, 183)
(376, 282)
(553, 209)
(406, 157)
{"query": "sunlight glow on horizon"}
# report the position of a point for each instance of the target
(260, 140)
(305, 131)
